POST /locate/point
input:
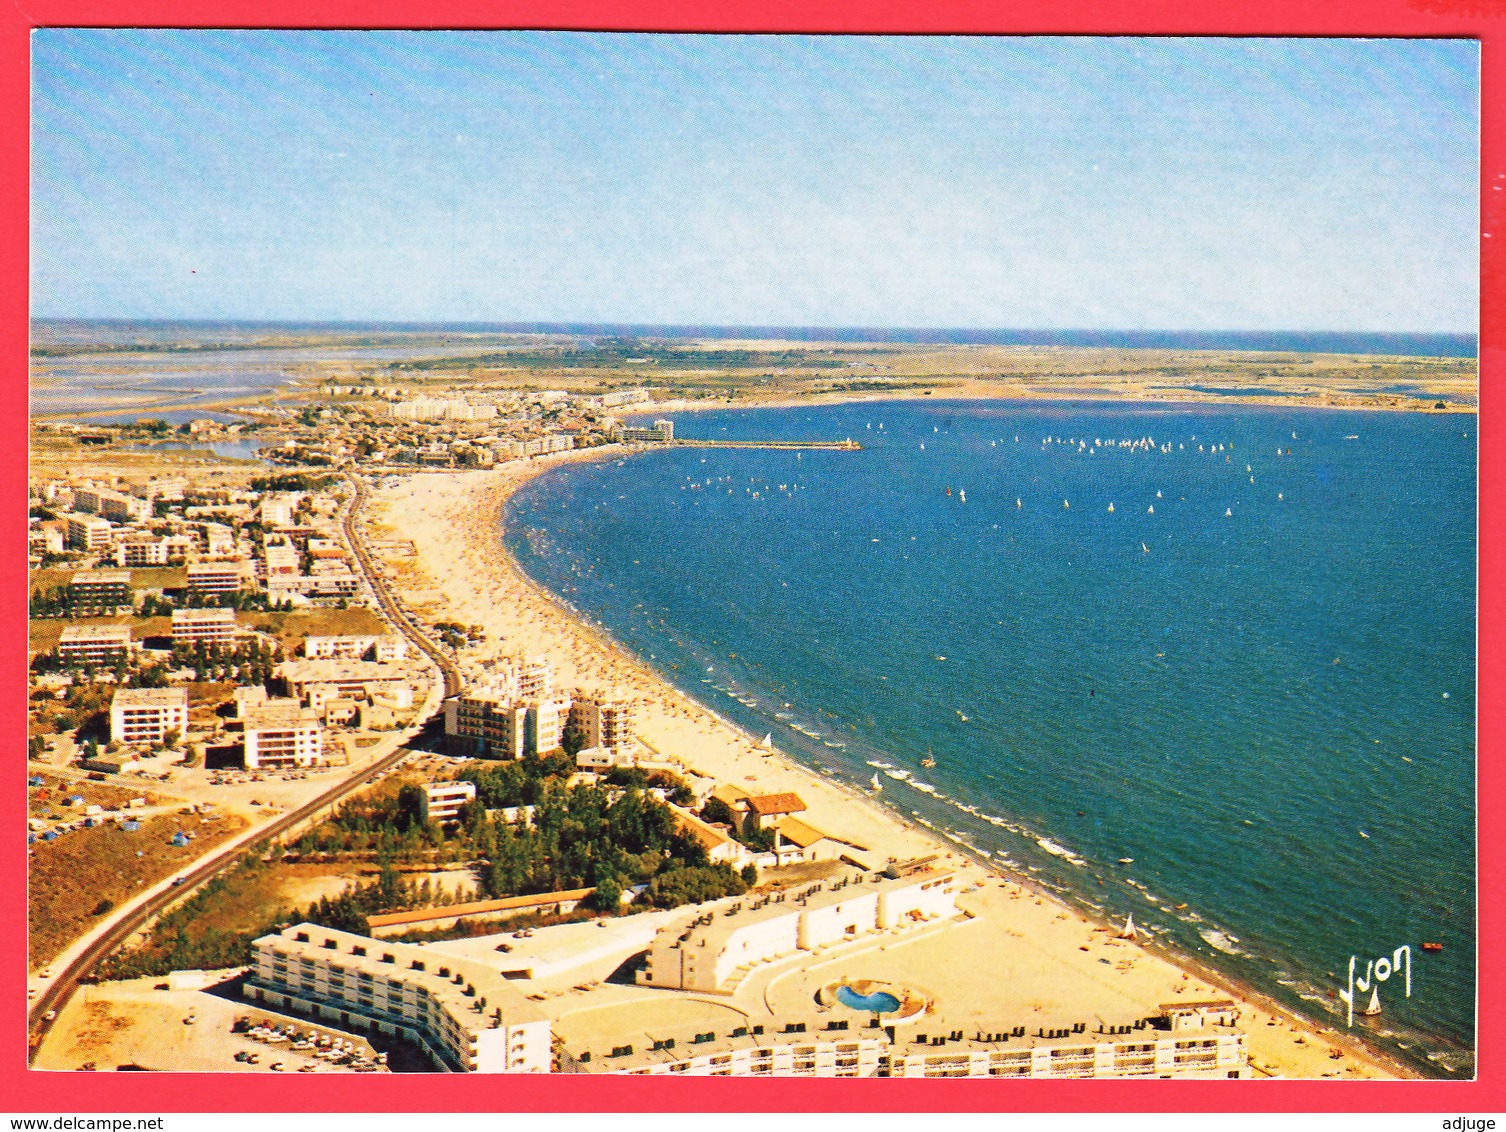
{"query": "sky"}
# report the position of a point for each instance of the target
(765, 180)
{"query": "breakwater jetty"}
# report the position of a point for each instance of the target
(847, 445)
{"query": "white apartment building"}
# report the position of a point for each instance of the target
(383, 649)
(215, 626)
(281, 734)
(444, 800)
(94, 644)
(820, 1046)
(103, 591)
(606, 720)
(141, 550)
(277, 510)
(466, 1016)
(89, 532)
(210, 579)
(113, 505)
(707, 955)
(492, 722)
(143, 716)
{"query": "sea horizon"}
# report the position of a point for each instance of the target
(1380, 343)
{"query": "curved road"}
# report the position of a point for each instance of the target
(67, 981)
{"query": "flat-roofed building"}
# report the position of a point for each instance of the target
(345, 677)
(249, 697)
(384, 649)
(89, 532)
(94, 644)
(143, 716)
(494, 721)
(465, 1015)
(282, 734)
(718, 947)
(277, 510)
(213, 626)
(108, 504)
(282, 560)
(487, 722)
(100, 591)
(141, 550)
(443, 800)
(210, 579)
(605, 720)
(818, 1045)
(662, 433)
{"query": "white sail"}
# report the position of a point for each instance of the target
(878, 786)
(768, 741)
(1129, 928)
(1375, 1007)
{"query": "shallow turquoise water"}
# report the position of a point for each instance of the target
(1267, 714)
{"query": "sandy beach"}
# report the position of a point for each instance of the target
(460, 571)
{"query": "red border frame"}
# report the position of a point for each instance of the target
(26, 1091)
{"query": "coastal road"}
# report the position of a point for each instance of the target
(56, 995)
(378, 584)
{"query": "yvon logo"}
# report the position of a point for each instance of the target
(1377, 971)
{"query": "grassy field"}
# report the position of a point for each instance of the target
(291, 628)
(73, 881)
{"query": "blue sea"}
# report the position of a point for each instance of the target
(1239, 705)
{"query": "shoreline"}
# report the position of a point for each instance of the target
(468, 519)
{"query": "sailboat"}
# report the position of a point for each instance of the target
(1129, 928)
(1228, 512)
(961, 495)
(1151, 510)
(1018, 504)
(1111, 508)
(929, 760)
(878, 787)
(1144, 549)
(768, 741)
(1375, 1007)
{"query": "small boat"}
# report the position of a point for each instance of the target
(1228, 512)
(961, 495)
(962, 717)
(1111, 508)
(1144, 549)
(930, 760)
(1065, 504)
(1126, 860)
(1181, 907)
(949, 491)
(1432, 947)
(1018, 505)
(878, 787)
(1351, 438)
(1151, 510)
(1375, 1007)
(768, 741)
(1129, 928)
(1365, 835)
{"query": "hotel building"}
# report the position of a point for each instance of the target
(465, 1016)
(94, 644)
(215, 626)
(605, 721)
(282, 734)
(142, 716)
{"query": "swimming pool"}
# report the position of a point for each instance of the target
(879, 1002)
